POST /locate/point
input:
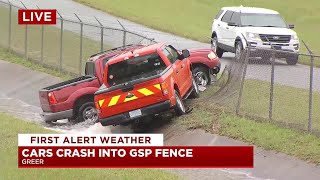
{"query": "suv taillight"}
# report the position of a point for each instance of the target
(164, 89)
(52, 99)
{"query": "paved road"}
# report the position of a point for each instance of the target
(295, 76)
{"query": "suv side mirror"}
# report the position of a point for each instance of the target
(185, 53)
(232, 24)
(291, 26)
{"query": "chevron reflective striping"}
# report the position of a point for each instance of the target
(158, 86)
(145, 91)
(114, 100)
(101, 102)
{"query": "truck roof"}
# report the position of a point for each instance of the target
(250, 10)
(135, 52)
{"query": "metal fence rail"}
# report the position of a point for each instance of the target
(65, 46)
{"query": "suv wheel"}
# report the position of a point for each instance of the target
(292, 59)
(238, 49)
(87, 113)
(180, 108)
(215, 47)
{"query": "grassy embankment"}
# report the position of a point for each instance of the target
(193, 18)
(10, 127)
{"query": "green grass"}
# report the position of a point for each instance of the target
(291, 105)
(193, 18)
(10, 127)
(13, 58)
(51, 47)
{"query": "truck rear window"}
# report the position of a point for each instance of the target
(135, 68)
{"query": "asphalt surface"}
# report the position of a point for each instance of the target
(19, 97)
(295, 76)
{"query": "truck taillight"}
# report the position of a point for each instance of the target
(164, 89)
(52, 99)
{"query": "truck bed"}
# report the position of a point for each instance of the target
(70, 82)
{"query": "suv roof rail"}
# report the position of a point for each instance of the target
(114, 49)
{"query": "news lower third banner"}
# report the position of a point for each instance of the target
(124, 151)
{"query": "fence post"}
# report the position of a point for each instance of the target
(310, 88)
(10, 17)
(272, 84)
(246, 61)
(81, 45)
(42, 41)
(124, 33)
(61, 42)
(102, 34)
(25, 37)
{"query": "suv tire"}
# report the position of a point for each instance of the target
(215, 47)
(238, 50)
(292, 59)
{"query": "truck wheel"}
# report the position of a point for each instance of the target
(201, 76)
(87, 113)
(180, 108)
(196, 92)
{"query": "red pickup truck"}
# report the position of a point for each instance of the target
(74, 99)
(143, 82)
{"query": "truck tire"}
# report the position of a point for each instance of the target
(195, 92)
(201, 75)
(87, 113)
(180, 107)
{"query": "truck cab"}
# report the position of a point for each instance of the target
(143, 82)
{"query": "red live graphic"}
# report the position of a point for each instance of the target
(37, 16)
(136, 157)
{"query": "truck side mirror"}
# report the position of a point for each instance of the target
(185, 53)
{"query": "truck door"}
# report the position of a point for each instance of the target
(179, 66)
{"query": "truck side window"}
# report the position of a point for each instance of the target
(173, 54)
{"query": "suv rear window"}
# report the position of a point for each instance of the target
(135, 68)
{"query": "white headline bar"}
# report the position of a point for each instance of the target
(90, 140)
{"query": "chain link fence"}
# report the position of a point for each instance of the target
(272, 85)
(65, 46)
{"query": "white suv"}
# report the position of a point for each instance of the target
(234, 27)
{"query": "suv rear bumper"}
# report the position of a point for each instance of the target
(145, 111)
(50, 116)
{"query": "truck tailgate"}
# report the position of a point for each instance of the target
(44, 102)
(124, 100)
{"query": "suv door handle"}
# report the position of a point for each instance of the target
(218, 24)
(227, 27)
